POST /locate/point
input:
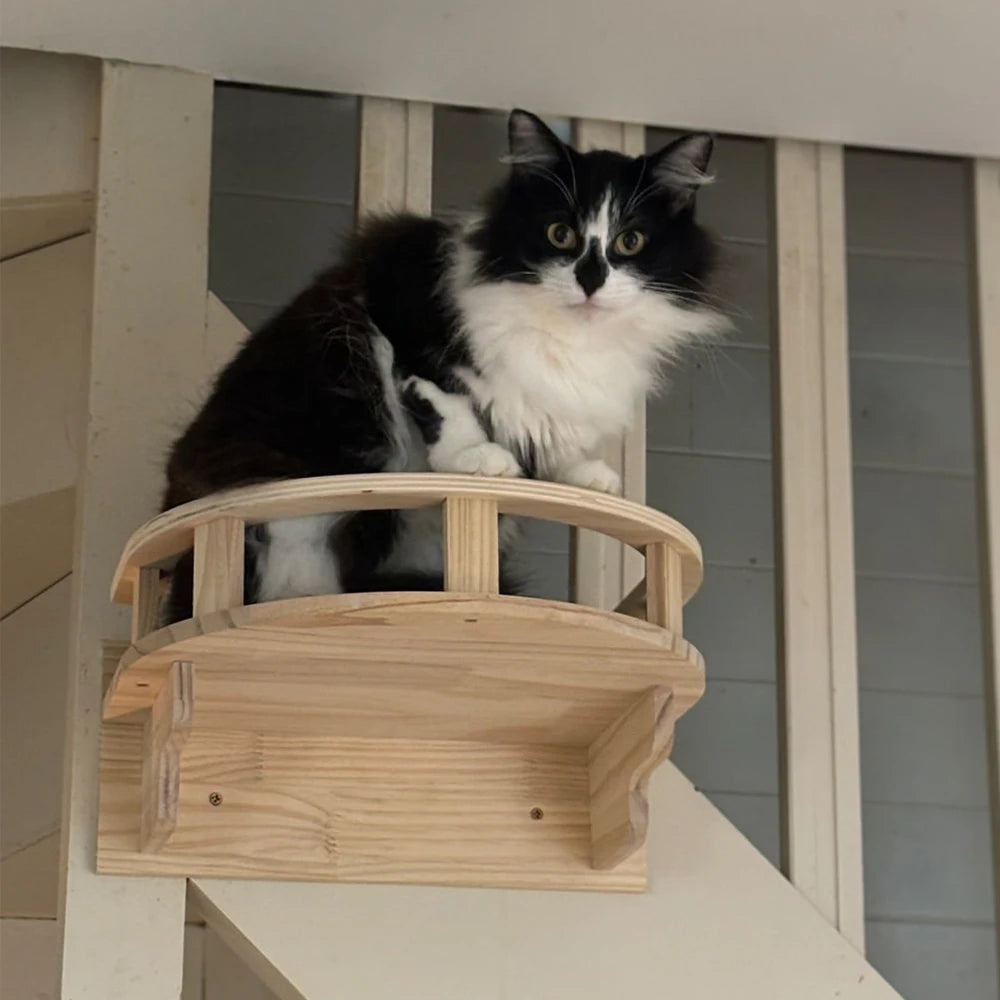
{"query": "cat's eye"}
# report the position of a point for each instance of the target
(561, 236)
(629, 243)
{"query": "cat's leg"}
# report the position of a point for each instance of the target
(456, 440)
(591, 474)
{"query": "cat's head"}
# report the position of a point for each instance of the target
(599, 233)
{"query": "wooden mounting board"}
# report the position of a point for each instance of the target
(431, 738)
(319, 809)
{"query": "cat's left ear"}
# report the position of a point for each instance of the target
(682, 165)
(532, 142)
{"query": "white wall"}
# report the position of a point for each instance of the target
(918, 75)
(48, 123)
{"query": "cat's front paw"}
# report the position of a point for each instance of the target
(594, 475)
(485, 459)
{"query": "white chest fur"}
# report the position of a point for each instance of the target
(564, 379)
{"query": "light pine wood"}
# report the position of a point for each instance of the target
(366, 736)
(124, 937)
(218, 565)
(166, 730)
(634, 524)
(471, 549)
(602, 570)
(621, 761)
(984, 182)
(329, 808)
(821, 768)
(395, 156)
(416, 666)
(664, 587)
(145, 602)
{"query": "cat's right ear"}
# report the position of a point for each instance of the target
(532, 142)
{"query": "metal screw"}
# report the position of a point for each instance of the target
(214, 798)
(536, 813)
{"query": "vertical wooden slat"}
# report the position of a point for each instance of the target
(664, 587)
(218, 565)
(471, 551)
(984, 185)
(123, 937)
(145, 602)
(813, 508)
(395, 156)
(603, 570)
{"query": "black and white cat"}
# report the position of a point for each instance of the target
(513, 345)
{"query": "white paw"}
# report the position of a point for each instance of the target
(594, 475)
(486, 459)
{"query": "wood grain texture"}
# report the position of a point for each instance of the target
(173, 531)
(471, 546)
(664, 599)
(218, 565)
(145, 602)
(166, 730)
(621, 761)
(327, 808)
(414, 666)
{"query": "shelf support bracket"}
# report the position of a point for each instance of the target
(167, 729)
(621, 761)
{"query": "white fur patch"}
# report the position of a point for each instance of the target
(462, 446)
(296, 561)
(562, 371)
(598, 226)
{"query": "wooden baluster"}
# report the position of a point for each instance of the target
(218, 565)
(664, 587)
(471, 546)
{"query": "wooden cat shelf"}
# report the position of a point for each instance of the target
(458, 738)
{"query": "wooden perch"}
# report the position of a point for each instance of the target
(621, 761)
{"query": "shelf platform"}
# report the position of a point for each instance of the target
(449, 738)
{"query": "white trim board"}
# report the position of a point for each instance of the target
(814, 520)
(124, 937)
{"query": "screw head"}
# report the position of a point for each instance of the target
(215, 799)
(536, 813)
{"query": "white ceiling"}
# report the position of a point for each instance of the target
(909, 74)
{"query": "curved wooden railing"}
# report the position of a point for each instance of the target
(214, 528)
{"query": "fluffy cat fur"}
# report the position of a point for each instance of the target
(515, 344)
